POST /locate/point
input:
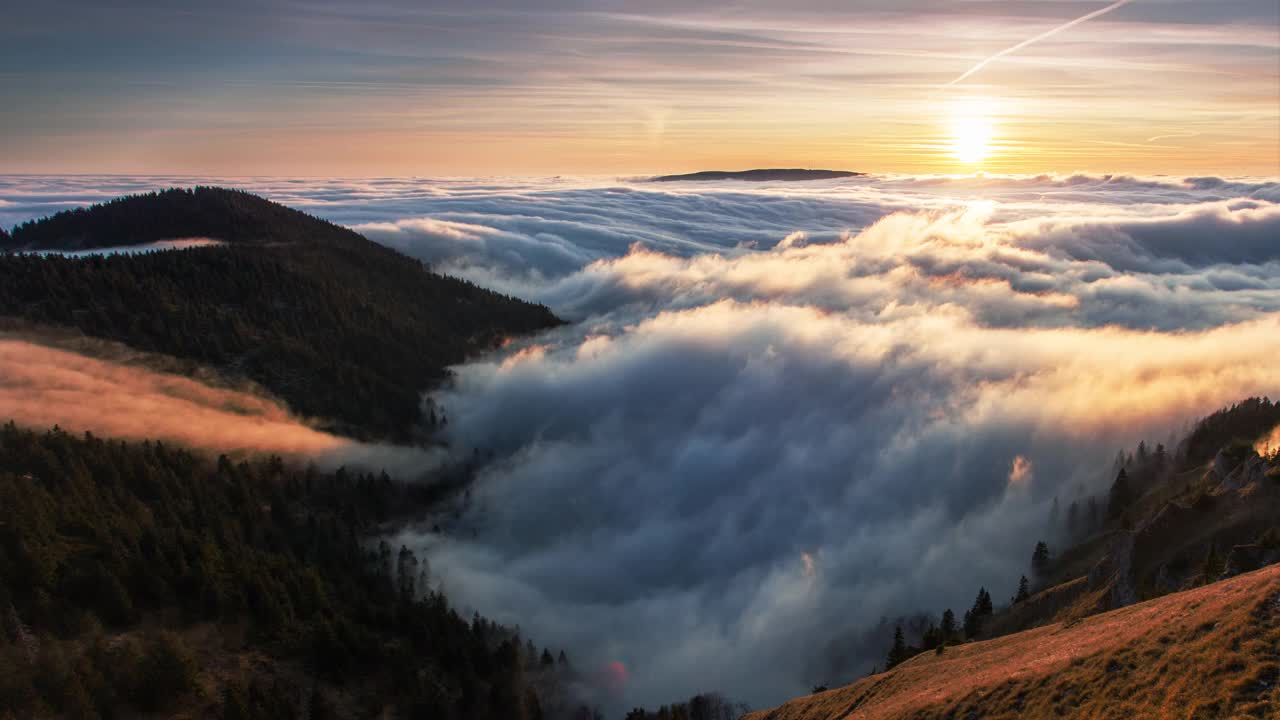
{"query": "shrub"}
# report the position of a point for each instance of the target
(165, 672)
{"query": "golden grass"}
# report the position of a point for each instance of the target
(1212, 652)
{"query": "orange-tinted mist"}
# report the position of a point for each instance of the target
(41, 386)
(1269, 443)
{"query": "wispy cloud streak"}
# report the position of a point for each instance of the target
(1042, 36)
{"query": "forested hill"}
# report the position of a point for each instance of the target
(142, 580)
(232, 216)
(343, 329)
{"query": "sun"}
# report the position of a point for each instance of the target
(971, 131)
(970, 139)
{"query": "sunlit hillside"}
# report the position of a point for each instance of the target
(1212, 652)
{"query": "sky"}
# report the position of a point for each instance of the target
(777, 412)
(622, 87)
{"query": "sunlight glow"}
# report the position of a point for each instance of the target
(971, 130)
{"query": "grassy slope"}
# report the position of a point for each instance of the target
(1212, 652)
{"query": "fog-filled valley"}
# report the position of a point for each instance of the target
(777, 412)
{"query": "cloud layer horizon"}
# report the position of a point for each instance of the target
(782, 411)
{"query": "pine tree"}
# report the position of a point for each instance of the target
(1024, 591)
(1120, 497)
(1040, 559)
(898, 652)
(932, 637)
(407, 573)
(948, 627)
(973, 617)
(985, 607)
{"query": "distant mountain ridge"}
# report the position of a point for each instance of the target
(760, 175)
(343, 329)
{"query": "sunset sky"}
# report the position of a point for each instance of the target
(392, 87)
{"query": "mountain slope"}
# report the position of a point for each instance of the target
(1204, 653)
(343, 329)
(1171, 521)
(140, 580)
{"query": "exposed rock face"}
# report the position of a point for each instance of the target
(1232, 472)
(1247, 558)
(1114, 573)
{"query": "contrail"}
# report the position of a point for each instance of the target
(1172, 135)
(1038, 38)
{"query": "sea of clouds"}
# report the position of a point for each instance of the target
(782, 411)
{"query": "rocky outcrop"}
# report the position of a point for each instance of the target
(1114, 573)
(1232, 472)
(1247, 558)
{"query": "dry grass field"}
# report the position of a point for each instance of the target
(1211, 652)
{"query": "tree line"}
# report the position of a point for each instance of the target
(139, 577)
(706, 706)
(1231, 429)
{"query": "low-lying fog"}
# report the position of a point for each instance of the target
(783, 411)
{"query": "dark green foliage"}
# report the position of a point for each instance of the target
(166, 670)
(948, 627)
(1024, 591)
(341, 328)
(974, 616)
(233, 216)
(1120, 497)
(152, 542)
(1245, 421)
(932, 637)
(898, 652)
(708, 706)
(1040, 559)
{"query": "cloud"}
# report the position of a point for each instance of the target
(745, 449)
(612, 86)
(42, 386)
(736, 460)
(1042, 36)
(1268, 443)
(662, 483)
